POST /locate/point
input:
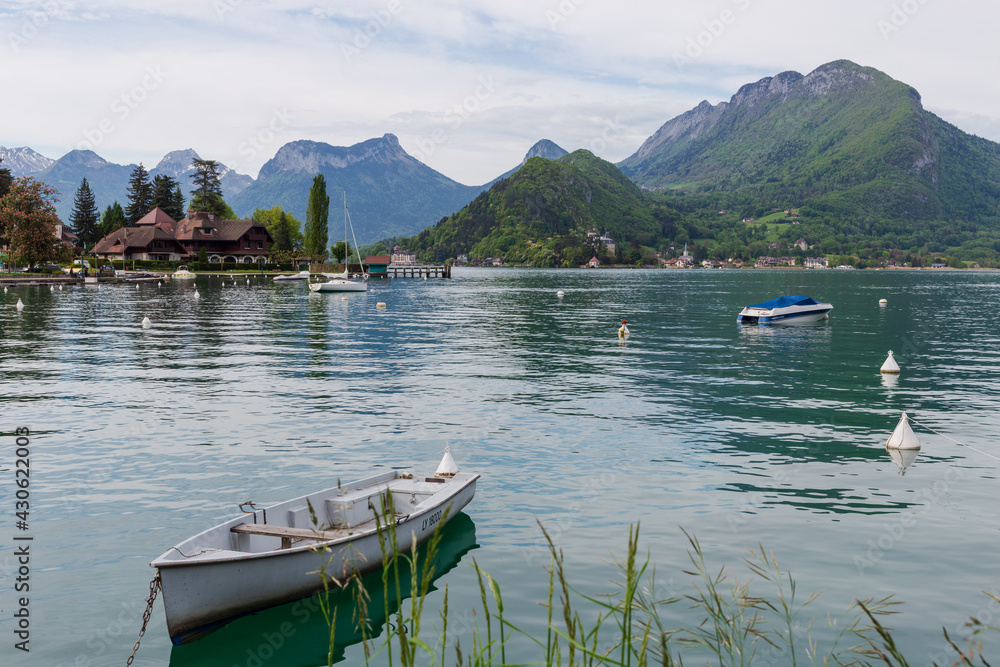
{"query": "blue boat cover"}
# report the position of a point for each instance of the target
(785, 301)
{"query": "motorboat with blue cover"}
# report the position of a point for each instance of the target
(785, 310)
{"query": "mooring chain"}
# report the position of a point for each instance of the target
(154, 587)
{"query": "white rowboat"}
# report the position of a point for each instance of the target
(269, 556)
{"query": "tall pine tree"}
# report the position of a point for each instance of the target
(112, 219)
(140, 195)
(84, 215)
(317, 234)
(177, 204)
(207, 195)
(164, 188)
(6, 179)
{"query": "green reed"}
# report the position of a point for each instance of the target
(734, 625)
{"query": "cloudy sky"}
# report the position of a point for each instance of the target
(467, 85)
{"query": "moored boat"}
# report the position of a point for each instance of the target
(301, 275)
(182, 273)
(269, 556)
(785, 310)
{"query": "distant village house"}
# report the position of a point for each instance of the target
(402, 257)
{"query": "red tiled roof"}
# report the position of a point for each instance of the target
(378, 259)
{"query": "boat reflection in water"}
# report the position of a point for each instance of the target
(297, 635)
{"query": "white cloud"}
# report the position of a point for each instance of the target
(345, 71)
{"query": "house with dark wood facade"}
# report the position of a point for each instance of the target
(157, 236)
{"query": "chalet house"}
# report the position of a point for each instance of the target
(157, 236)
(402, 257)
(594, 263)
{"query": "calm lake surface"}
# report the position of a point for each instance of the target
(741, 435)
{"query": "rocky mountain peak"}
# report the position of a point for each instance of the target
(546, 149)
(306, 156)
(177, 163)
(23, 161)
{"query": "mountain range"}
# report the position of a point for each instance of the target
(390, 193)
(848, 144)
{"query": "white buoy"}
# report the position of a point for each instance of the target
(20, 306)
(159, 284)
(60, 288)
(447, 467)
(52, 288)
(146, 323)
(5, 289)
(903, 458)
(248, 281)
(560, 294)
(196, 295)
(380, 304)
(882, 302)
(137, 285)
(890, 365)
(903, 436)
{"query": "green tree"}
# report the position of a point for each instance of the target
(140, 195)
(164, 190)
(340, 250)
(203, 257)
(207, 195)
(6, 179)
(317, 234)
(177, 203)
(281, 232)
(113, 218)
(270, 216)
(28, 216)
(85, 215)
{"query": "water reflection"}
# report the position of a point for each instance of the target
(903, 458)
(297, 634)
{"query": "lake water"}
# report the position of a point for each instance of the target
(741, 435)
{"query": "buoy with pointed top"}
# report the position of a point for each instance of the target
(903, 458)
(159, 284)
(380, 304)
(196, 295)
(560, 293)
(447, 467)
(248, 281)
(146, 323)
(137, 285)
(882, 302)
(60, 288)
(20, 306)
(5, 289)
(52, 288)
(623, 329)
(890, 365)
(903, 436)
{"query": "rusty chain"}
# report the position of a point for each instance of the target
(154, 587)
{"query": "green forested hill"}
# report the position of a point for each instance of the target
(540, 216)
(846, 140)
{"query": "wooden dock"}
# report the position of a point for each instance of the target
(418, 271)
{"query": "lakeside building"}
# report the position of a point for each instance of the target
(402, 257)
(157, 236)
(816, 263)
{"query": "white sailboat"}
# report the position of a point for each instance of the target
(341, 282)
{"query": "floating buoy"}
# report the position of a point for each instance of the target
(196, 295)
(343, 298)
(380, 304)
(882, 302)
(20, 306)
(248, 282)
(903, 436)
(890, 365)
(5, 289)
(903, 458)
(146, 323)
(159, 284)
(447, 467)
(52, 288)
(560, 294)
(137, 285)
(623, 329)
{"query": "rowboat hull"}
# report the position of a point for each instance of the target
(339, 286)
(220, 574)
